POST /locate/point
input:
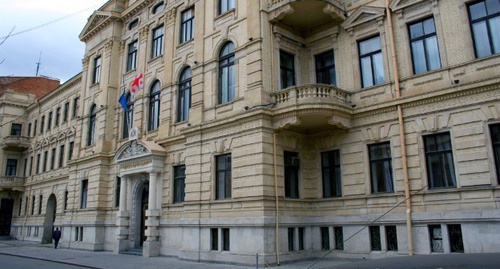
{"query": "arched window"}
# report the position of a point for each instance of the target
(128, 116)
(91, 130)
(158, 7)
(184, 99)
(154, 106)
(226, 73)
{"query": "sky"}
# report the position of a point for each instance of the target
(58, 43)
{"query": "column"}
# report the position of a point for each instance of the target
(152, 244)
(123, 219)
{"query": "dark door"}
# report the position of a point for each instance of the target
(6, 208)
(144, 207)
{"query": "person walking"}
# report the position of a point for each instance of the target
(56, 235)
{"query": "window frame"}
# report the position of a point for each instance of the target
(96, 74)
(187, 25)
(226, 6)
(132, 48)
(11, 167)
(16, 129)
(371, 55)
(489, 31)
(286, 71)
(375, 162)
(291, 184)
(495, 144)
(325, 70)
(58, 116)
(426, 50)
(439, 152)
(52, 158)
(157, 41)
(154, 106)
(184, 97)
(227, 74)
(223, 177)
(61, 156)
(84, 193)
(179, 184)
(49, 121)
(42, 124)
(375, 238)
(334, 172)
(159, 7)
(91, 131)
(76, 105)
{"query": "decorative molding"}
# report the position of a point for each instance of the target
(170, 16)
(134, 150)
(377, 132)
(362, 15)
(220, 146)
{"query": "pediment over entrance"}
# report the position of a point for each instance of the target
(137, 149)
(139, 157)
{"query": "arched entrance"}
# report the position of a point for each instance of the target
(50, 218)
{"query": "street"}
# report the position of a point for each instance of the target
(7, 261)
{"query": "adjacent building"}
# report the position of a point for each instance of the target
(287, 128)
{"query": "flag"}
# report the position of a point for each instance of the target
(123, 100)
(136, 84)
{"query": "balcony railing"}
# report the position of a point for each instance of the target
(311, 93)
(10, 182)
(283, 2)
(16, 141)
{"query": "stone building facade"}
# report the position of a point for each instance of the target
(287, 128)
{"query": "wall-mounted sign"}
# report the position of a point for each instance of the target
(133, 134)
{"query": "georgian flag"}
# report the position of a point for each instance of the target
(137, 84)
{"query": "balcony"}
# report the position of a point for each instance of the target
(12, 182)
(16, 143)
(312, 108)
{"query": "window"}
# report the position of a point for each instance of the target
(436, 237)
(53, 159)
(58, 116)
(370, 57)
(225, 239)
(31, 166)
(29, 130)
(66, 195)
(42, 124)
(223, 177)
(424, 46)
(133, 24)
(45, 159)
(66, 111)
(301, 231)
(179, 183)
(49, 122)
(75, 106)
(485, 23)
(456, 240)
(214, 234)
(83, 195)
(15, 129)
(184, 99)
(154, 106)
(158, 7)
(381, 167)
(11, 167)
(291, 239)
(20, 206)
(32, 205)
(391, 236)
(157, 48)
(40, 199)
(225, 6)
(37, 168)
(495, 140)
(132, 56)
(325, 238)
(117, 191)
(291, 174)
(339, 238)
(187, 25)
(70, 150)
(96, 76)
(91, 127)
(287, 69)
(34, 128)
(128, 116)
(61, 156)
(330, 166)
(226, 74)
(325, 68)
(439, 157)
(375, 238)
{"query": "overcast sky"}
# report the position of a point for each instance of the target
(61, 49)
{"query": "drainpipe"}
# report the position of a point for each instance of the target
(277, 203)
(401, 132)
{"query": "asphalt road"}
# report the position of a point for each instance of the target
(8, 262)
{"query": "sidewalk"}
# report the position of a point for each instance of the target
(108, 260)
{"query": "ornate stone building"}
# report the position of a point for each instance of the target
(287, 128)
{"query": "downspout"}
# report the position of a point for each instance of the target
(401, 132)
(277, 203)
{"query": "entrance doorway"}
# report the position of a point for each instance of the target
(6, 208)
(50, 217)
(144, 207)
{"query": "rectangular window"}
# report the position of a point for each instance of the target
(214, 239)
(66, 194)
(70, 150)
(117, 191)
(291, 239)
(75, 107)
(34, 127)
(225, 239)
(11, 167)
(25, 171)
(45, 160)
(339, 237)
(96, 76)
(381, 167)
(325, 68)
(20, 206)
(439, 158)
(42, 124)
(29, 130)
(61, 156)
(187, 25)
(49, 121)
(53, 159)
(31, 166)
(37, 168)
(83, 194)
(456, 240)
(132, 55)
(287, 69)
(485, 24)
(330, 167)
(391, 236)
(301, 231)
(223, 177)
(291, 174)
(436, 237)
(157, 48)
(325, 238)
(58, 116)
(424, 46)
(495, 140)
(32, 205)
(40, 199)
(225, 6)
(66, 112)
(16, 129)
(179, 181)
(375, 238)
(370, 57)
